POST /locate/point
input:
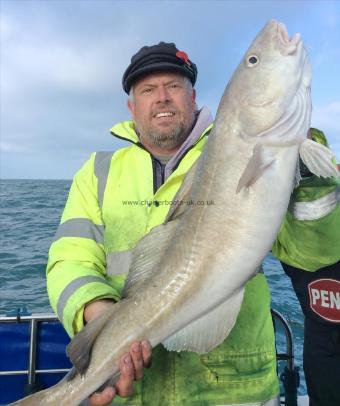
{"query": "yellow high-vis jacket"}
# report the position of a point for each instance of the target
(112, 203)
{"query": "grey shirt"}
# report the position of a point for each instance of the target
(163, 166)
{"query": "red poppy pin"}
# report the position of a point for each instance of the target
(182, 55)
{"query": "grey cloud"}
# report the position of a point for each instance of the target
(62, 62)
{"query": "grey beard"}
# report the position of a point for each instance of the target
(174, 138)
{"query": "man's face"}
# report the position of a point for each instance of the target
(163, 109)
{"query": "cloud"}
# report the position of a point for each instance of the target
(8, 147)
(326, 118)
(62, 63)
(328, 115)
(30, 65)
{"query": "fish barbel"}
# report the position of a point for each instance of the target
(186, 280)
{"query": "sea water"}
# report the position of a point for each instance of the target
(30, 212)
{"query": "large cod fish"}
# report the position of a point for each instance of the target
(186, 281)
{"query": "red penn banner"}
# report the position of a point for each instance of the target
(324, 299)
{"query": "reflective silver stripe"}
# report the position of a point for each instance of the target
(81, 227)
(102, 164)
(315, 209)
(72, 287)
(118, 262)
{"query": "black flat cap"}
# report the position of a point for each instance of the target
(161, 57)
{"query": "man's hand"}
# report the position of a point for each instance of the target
(131, 364)
(131, 368)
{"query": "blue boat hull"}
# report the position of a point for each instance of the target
(51, 341)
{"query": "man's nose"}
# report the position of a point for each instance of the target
(163, 94)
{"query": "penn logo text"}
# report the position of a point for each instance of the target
(324, 299)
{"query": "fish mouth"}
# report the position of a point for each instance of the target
(294, 46)
(287, 45)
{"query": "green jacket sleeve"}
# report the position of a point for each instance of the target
(310, 233)
(76, 269)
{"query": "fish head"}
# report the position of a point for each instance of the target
(270, 90)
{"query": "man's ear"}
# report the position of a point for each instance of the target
(131, 107)
(194, 97)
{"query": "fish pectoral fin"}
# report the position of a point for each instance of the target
(257, 166)
(147, 255)
(319, 159)
(79, 349)
(210, 330)
(182, 195)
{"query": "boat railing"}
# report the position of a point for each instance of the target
(31, 372)
(289, 377)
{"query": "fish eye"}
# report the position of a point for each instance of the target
(252, 60)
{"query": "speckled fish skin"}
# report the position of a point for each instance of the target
(263, 116)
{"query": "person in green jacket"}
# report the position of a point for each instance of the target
(314, 213)
(116, 199)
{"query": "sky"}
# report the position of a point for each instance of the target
(61, 64)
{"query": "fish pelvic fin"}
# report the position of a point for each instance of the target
(258, 164)
(319, 159)
(147, 255)
(210, 330)
(79, 349)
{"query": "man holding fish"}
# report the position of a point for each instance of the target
(118, 198)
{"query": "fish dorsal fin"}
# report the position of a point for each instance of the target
(208, 331)
(146, 256)
(257, 166)
(183, 194)
(318, 159)
(79, 349)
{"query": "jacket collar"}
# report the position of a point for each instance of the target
(126, 131)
